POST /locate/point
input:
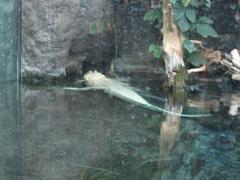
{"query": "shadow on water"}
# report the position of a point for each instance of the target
(90, 135)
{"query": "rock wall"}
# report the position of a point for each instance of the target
(59, 35)
(134, 36)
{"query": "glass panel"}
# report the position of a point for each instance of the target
(9, 39)
(9, 101)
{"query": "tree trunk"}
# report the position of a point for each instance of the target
(172, 47)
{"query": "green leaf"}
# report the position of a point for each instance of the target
(208, 3)
(153, 15)
(206, 30)
(183, 24)
(205, 20)
(157, 53)
(191, 14)
(196, 59)
(189, 46)
(193, 28)
(178, 13)
(186, 2)
(92, 29)
(96, 27)
(156, 50)
(195, 3)
(173, 1)
(152, 48)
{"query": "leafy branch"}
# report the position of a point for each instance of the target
(185, 14)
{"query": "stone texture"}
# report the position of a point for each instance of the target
(57, 38)
(134, 36)
(56, 34)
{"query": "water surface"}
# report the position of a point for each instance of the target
(50, 133)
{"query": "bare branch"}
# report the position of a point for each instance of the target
(195, 70)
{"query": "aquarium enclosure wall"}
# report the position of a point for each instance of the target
(9, 40)
(9, 87)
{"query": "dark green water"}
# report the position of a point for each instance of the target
(49, 133)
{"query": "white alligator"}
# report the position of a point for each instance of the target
(97, 81)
